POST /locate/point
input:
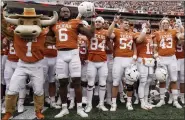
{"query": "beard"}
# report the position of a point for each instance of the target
(64, 18)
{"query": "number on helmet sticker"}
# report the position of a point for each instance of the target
(124, 45)
(12, 50)
(166, 43)
(179, 48)
(63, 36)
(95, 45)
(29, 54)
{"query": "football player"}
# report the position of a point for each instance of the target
(145, 65)
(97, 65)
(10, 66)
(83, 45)
(68, 61)
(83, 49)
(109, 52)
(180, 59)
(50, 54)
(166, 40)
(4, 53)
(125, 55)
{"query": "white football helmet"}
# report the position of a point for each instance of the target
(86, 9)
(161, 73)
(154, 93)
(131, 73)
(85, 23)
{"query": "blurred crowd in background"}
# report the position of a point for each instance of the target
(154, 7)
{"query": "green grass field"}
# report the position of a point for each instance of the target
(165, 112)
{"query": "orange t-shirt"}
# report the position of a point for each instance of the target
(166, 42)
(30, 51)
(97, 46)
(66, 33)
(83, 47)
(123, 43)
(180, 51)
(145, 48)
(12, 54)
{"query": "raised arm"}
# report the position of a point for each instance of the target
(86, 31)
(142, 35)
(110, 33)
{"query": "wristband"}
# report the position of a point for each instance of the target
(134, 57)
(156, 55)
(157, 59)
(154, 45)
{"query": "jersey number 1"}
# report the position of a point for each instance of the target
(148, 49)
(29, 54)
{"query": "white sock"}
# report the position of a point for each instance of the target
(162, 93)
(79, 105)
(141, 90)
(89, 95)
(170, 96)
(52, 99)
(147, 89)
(142, 100)
(182, 95)
(146, 99)
(22, 95)
(114, 100)
(64, 105)
(102, 91)
(175, 94)
(129, 99)
(109, 90)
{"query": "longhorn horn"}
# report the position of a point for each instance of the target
(51, 21)
(10, 20)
